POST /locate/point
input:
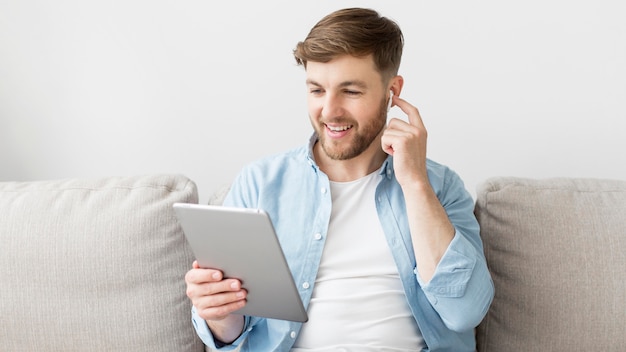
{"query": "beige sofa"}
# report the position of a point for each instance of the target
(556, 250)
(95, 265)
(98, 265)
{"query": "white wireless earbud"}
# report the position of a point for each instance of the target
(390, 99)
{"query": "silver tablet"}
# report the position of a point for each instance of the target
(242, 244)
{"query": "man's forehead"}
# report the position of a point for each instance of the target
(343, 71)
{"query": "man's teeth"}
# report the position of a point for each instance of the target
(338, 128)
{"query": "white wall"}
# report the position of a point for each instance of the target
(98, 88)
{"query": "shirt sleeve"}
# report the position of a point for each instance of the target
(203, 331)
(461, 288)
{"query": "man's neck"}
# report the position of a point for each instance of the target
(352, 169)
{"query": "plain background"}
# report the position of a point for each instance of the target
(112, 88)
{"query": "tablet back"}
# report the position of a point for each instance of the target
(242, 243)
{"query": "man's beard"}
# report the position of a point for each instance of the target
(361, 139)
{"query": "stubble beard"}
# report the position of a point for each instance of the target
(361, 140)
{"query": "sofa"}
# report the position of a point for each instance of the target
(99, 264)
(556, 250)
(95, 265)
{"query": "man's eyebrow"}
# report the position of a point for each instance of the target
(355, 83)
(312, 83)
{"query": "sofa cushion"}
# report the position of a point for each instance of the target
(95, 265)
(556, 249)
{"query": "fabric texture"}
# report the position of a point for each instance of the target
(556, 249)
(447, 309)
(95, 265)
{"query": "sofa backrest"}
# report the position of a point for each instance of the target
(556, 249)
(95, 265)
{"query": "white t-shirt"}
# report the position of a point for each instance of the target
(358, 302)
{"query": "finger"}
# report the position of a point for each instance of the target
(206, 292)
(224, 286)
(396, 124)
(411, 111)
(212, 311)
(387, 147)
(218, 305)
(395, 139)
(401, 128)
(200, 276)
(389, 141)
(224, 292)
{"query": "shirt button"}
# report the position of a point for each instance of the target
(306, 285)
(293, 334)
(318, 236)
(323, 190)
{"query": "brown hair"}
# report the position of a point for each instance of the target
(357, 32)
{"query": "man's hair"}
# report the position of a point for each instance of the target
(357, 32)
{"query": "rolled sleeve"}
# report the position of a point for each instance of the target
(461, 288)
(203, 331)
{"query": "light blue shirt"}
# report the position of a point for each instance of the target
(296, 194)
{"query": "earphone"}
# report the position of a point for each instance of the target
(390, 99)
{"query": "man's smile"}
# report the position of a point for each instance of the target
(338, 128)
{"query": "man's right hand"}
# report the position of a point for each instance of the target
(215, 298)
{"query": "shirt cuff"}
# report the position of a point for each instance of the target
(453, 271)
(203, 331)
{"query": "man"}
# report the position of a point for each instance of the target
(381, 241)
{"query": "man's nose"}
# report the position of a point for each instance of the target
(333, 106)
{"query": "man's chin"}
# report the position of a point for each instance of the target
(338, 153)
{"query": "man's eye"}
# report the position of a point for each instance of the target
(352, 92)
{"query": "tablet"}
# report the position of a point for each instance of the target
(242, 244)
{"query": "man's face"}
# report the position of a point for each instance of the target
(347, 105)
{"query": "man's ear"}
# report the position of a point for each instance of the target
(396, 85)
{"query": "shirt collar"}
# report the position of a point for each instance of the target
(387, 169)
(309, 156)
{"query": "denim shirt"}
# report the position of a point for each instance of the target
(296, 194)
